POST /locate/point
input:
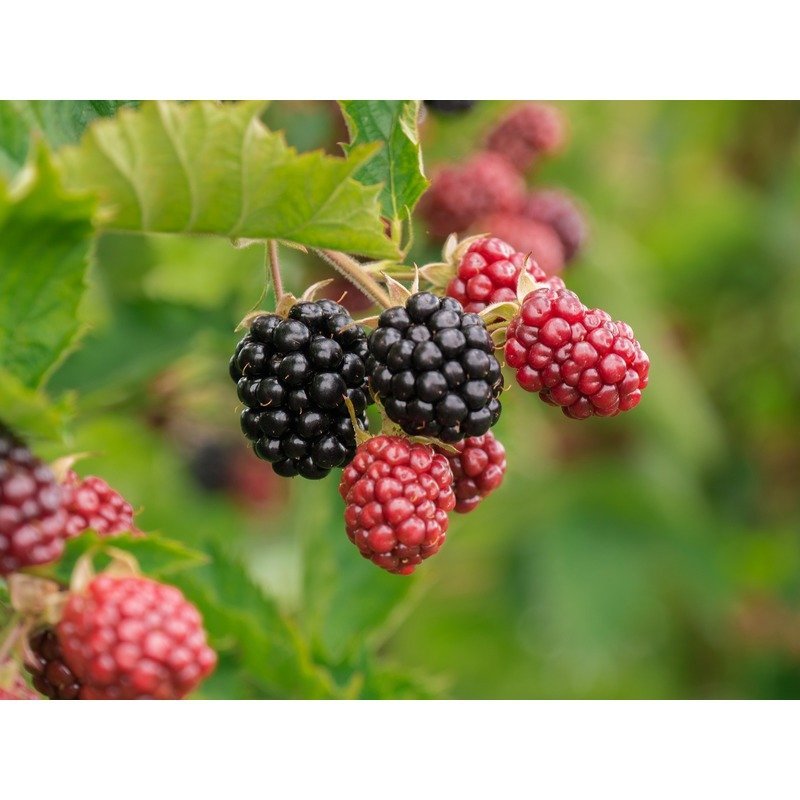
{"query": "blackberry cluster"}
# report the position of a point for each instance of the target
(433, 367)
(293, 375)
(32, 519)
(51, 675)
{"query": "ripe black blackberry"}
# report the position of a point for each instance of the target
(450, 106)
(433, 367)
(51, 675)
(293, 375)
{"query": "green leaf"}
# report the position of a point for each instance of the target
(28, 412)
(45, 236)
(398, 165)
(206, 168)
(242, 619)
(347, 601)
(59, 122)
(157, 557)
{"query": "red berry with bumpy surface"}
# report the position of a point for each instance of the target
(32, 520)
(527, 236)
(575, 357)
(91, 503)
(51, 675)
(558, 210)
(397, 496)
(134, 639)
(478, 469)
(488, 273)
(460, 194)
(527, 133)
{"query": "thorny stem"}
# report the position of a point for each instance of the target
(350, 269)
(275, 269)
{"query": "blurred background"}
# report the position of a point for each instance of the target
(651, 555)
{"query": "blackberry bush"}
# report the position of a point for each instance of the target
(293, 376)
(433, 367)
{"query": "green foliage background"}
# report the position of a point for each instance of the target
(652, 555)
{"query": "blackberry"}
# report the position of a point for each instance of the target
(488, 273)
(559, 210)
(478, 466)
(450, 106)
(293, 375)
(575, 357)
(397, 497)
(434, 368)
(134, 639)
(33, 523)
(462, 193)
(527, 133)
(51, 675)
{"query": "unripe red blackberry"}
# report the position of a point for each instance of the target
(32, 520)
(134, 639)
(528, 132)
(51, 675)
(461, 194)
(397, 496)
(293, 376)
(560, 211)
(574, 357)
(488, 273)
(478, 468)
(91, 503)
(433, 367)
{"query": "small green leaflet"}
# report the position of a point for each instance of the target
(45, 238)
(398, 165)
(210, 168)
(59, 122)
(157, 557)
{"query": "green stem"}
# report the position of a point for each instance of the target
(350, 269)
(275, 269)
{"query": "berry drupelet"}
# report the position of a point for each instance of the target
(293, 376)
(574, 357)
(434, 368)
